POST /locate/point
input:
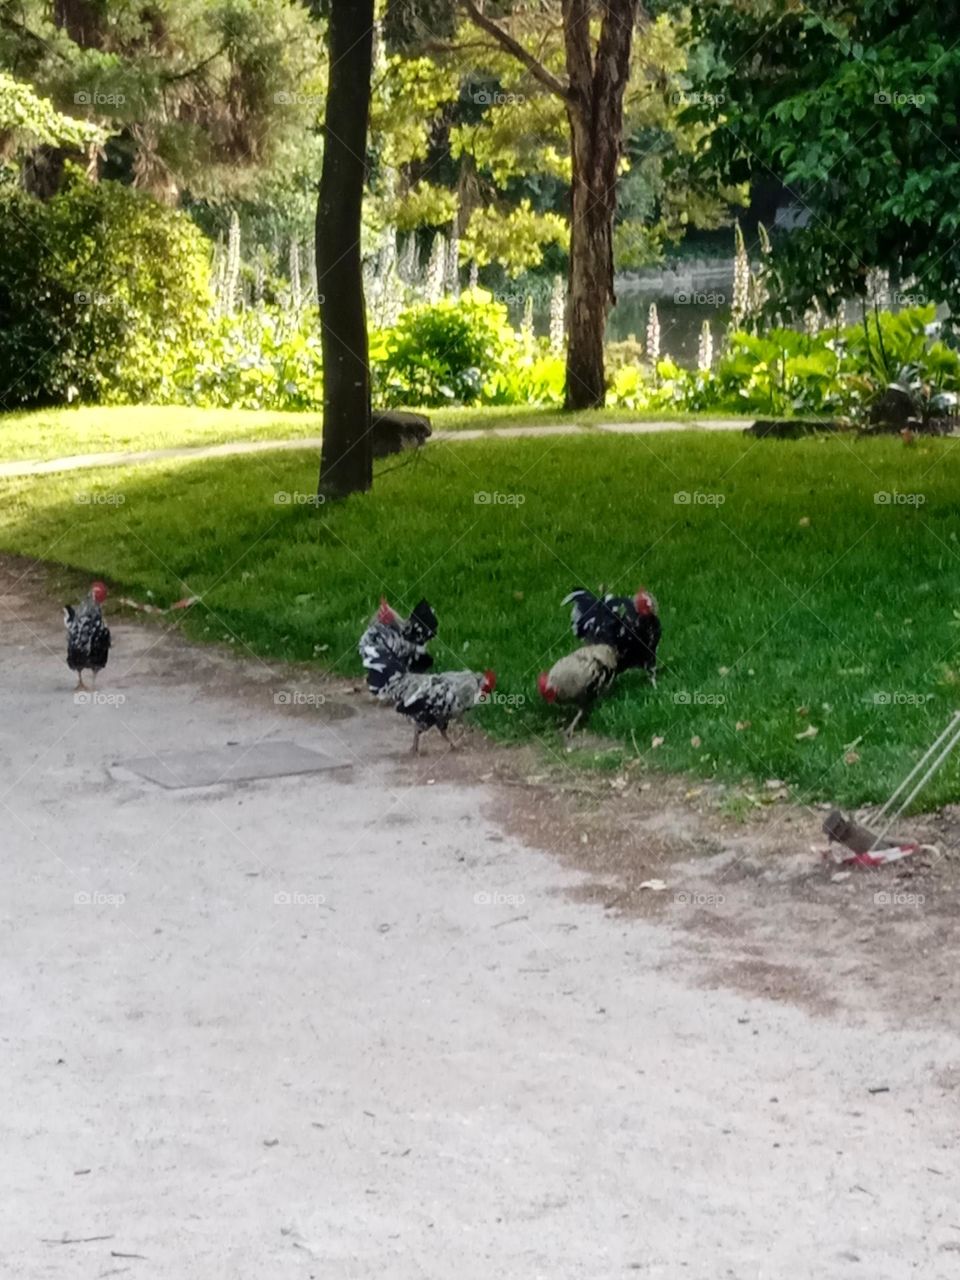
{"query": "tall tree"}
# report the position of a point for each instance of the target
(597, 73)
(347, 459)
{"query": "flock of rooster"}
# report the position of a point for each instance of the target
(617, 633)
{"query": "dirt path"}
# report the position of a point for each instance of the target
(352, 1024)
(85, 461)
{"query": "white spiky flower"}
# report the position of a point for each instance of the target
(740, 303)
(705, 348)
(230, 280)
(653, 335)
(436, 268)
(813, 319)
(878, 286)
(407, 261)
(451, 281)
(558, 315)
(526, 324)
(296, 290)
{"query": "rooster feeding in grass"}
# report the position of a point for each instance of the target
(88, 636)
(579, 679)
(629, 625)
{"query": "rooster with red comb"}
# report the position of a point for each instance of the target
(88, 636)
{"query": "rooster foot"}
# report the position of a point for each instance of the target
(454, 746)
(79, 685)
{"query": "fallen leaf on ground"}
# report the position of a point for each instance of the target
(810, 731)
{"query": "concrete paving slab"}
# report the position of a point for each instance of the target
(236, 762)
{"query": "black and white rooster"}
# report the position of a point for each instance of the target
(629, 625)
(432, 700)
(401, 640)
(88, 636)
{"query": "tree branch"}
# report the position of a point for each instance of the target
(576, 38)
(507, 41)
(173, 76)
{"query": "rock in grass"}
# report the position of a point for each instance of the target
(397, 429)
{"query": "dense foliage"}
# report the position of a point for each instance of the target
(853, 109)
(27, 119)
(100, 287)
(196, 98)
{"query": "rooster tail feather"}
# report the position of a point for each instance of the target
(422, 623)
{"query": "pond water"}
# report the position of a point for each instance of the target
(686, 294)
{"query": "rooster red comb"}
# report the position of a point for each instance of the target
(544, 687)
(489, 682)
(644, 602)
(385, 613)
(99, 591)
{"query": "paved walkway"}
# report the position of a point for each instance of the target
(361, 1032)
(118, 458)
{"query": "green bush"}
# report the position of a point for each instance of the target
(100, 288)
(443, 353)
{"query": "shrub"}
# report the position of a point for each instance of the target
(443, 353)
(99, 288)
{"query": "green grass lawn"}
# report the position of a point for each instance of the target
(57, 433)
(796, 603)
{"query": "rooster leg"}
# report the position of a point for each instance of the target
(79, 685)
(653, 676)
(454, 746)
(415, 749)
(568, 733)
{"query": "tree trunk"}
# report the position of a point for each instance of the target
(595, 111)
(590, 284)
(347, 459)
